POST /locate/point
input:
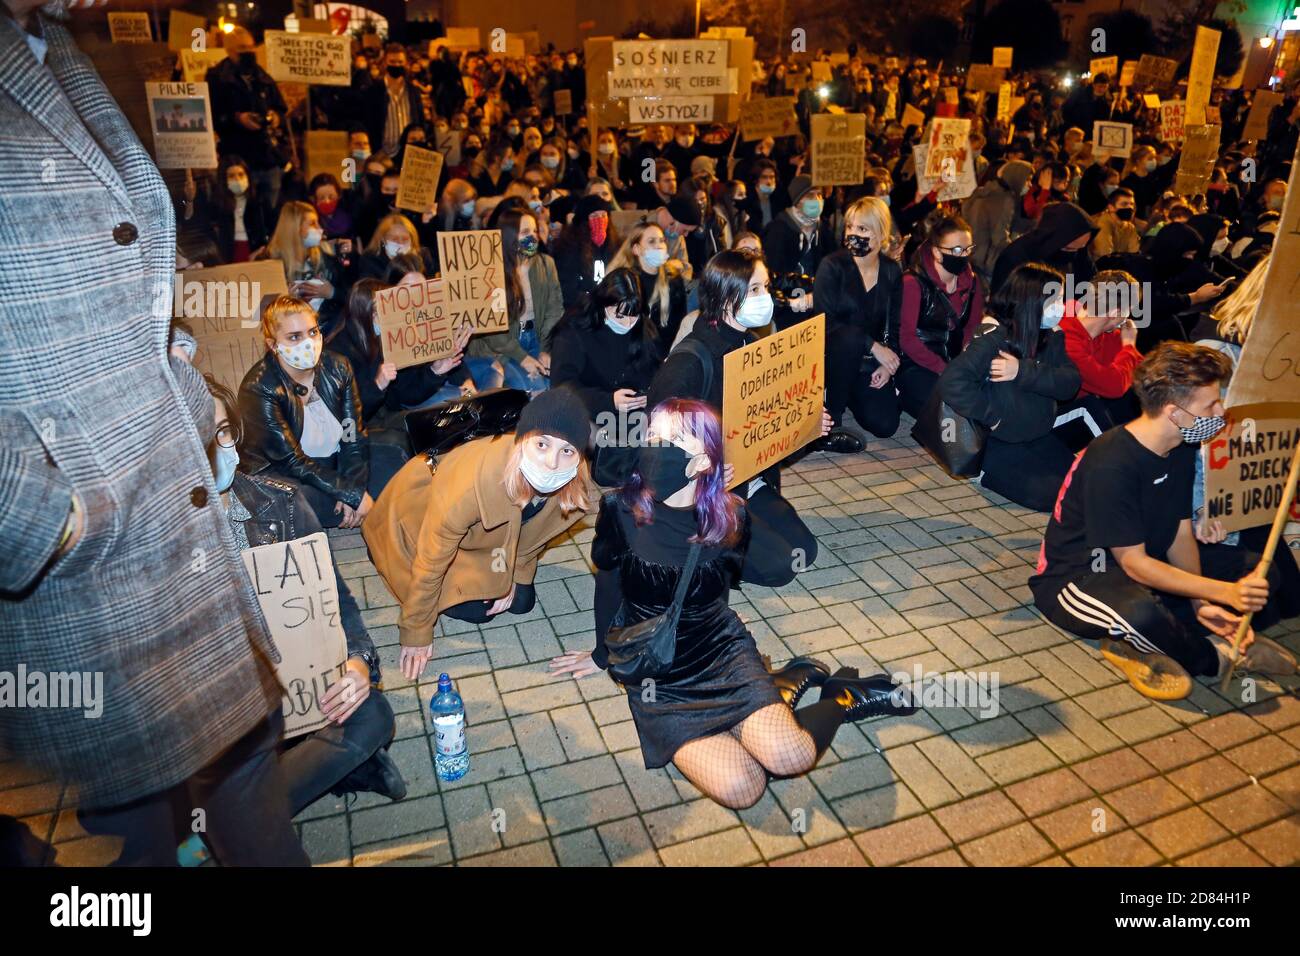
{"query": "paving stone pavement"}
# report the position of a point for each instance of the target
(915, 569)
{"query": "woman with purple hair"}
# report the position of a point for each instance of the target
(716, 712)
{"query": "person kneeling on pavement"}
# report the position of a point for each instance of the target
(1120, 562)
(350, 753)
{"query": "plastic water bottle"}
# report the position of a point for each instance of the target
(451, 756)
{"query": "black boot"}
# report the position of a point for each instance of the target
(839, 441)
(377, 775)
(863, 697)
(794, 679)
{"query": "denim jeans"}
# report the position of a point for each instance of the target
(319, 760)
(445, 394)
(485, 374)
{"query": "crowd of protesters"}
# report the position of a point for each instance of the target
(962, 304)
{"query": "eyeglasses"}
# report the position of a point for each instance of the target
(227, 435)
(957, 250)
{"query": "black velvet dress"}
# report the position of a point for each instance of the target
(717, 678)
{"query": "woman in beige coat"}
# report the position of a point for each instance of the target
(463, 538)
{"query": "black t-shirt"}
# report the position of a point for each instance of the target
(1118, 494)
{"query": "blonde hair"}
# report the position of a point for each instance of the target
(1140, 155)
(1237, 311)
(286, 242)
(572, 497)
(281, 307)
(625, 258)
(393, 219)
(874, 212)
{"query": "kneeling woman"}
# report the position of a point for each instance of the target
(716, 712)
(461, 536)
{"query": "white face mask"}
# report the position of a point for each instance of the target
(1053, 312)
(227, 459)
(543, 481)
(756, 311)
(313, 238)
(615, 322)
(395, 249)
(302, 356)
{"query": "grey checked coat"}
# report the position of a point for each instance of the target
(154, 594)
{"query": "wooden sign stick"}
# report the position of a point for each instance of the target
(1274, 538)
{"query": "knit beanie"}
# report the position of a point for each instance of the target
(559, 412)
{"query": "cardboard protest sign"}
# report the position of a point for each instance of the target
(414, 324)
(1246, 465)
(298, 592)
(961, 186)
(762, 116)
(130, 28)
(838, 149)
(951, 95)
(563, 102)
(621, 70)
(220, 306)
(418, 188)
(1212, 115)
(1200, 149)
(371, 41)
(772, 393)
(1154, 71)
(1200, 78)
(1002, 56)
(180, 116)
(1126, 73)
(312, 25)
(327, 151)
(1269, 370)
(912, 117)
(181, 27)
(948, 145)
(1173, 117)
(196, 63)
(670, 109)
(1108, 65)
(309, 58)
(984, 78)
(474, 287)
(1151, 101)
(1112, 139)
(621, 220)
(821, 71)
(1004, 103)
(463, 38)
(1261, 109)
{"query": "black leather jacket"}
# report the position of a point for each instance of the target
(273, 418)
(280, 513)
(938, 326)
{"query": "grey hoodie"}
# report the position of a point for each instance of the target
(992, 212)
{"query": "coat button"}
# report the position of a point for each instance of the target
(199, 497)
(125, 233)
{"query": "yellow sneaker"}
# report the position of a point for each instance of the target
(1152, 675)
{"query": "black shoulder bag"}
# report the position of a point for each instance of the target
(647, 648)
(955, 441)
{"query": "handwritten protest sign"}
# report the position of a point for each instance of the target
(1004, 103)
(196, 63)
(912, 117)
(1200, 78)
(1126, 73)
(838, 149)
(620, 71)
(642, 59)
(1151, 101)
(1261, 109)
(984, 77)
(961, 186)
(220, 306)
(563, 102)
(1246, 465)
(473, 279)
(670, 109)
(463, 38)
(309, 58)
(1154, 71)
(763, 116)
(180, 116)
(1109, 65)
(948, 145)
(130, 28)
(415, 326)
(1269, 370)
(1111, 139)
(1200, 149)
(772, 397)
(1173, 118)
(298, 592)
(418, 188)
(821, 71)
(1002, 56)
(327, 151)
(181, 27)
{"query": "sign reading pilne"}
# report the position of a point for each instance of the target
(772, 397)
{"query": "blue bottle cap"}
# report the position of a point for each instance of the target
(444, 682)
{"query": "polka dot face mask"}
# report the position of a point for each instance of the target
(302, 356)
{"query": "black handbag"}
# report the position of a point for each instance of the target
(955, 441)
(646, 649)
(442, 427)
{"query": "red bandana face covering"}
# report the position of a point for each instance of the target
(598, 225)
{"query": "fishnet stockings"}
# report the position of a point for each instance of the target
(732, 768)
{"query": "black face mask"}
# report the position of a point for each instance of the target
(396, 71)
(1125, 214)
(858, 246)
(247, 60)
(955, 265)
(663, 469)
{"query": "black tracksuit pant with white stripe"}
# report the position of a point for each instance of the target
(1109, 603)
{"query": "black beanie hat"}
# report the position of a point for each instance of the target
(559, 412)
